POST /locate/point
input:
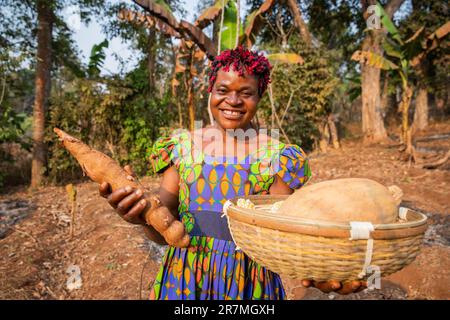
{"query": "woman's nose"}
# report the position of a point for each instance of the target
(233, 99)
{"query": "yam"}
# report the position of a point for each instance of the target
(344, 200)
(101, 168)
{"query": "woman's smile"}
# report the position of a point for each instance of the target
(232, 114)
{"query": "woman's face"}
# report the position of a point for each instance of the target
(234, 99)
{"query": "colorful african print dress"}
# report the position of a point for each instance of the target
(212, 267)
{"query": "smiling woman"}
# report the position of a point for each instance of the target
(196, 185)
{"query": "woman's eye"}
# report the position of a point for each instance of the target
(246, 94)
(221, 91)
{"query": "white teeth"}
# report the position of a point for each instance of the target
(231, 113)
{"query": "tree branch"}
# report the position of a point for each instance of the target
(299, 22)
(392, 6)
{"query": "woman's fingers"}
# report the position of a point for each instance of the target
(306, 283)
(363, 285)
(128, 201)
(134, 215)
(104, 189)
(337, 286)
(117, 196)
(328, 286)
(349, 287)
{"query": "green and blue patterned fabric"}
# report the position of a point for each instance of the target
(211, 267)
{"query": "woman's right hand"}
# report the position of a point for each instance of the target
(127, 202)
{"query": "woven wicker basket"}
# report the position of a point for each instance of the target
(319, 250)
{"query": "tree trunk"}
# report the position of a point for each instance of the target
(190, 93)
(42, 89)
(372, 119)
(404, 107)
(421, 112)
(151, 59)
(333, 132)
(324, 136)
(298, 20)
(385, 96)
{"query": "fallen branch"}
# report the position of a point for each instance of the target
(24, 233)
(437, 163)
(442, 136)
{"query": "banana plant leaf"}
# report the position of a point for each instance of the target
(159, 11)
(147, 21)
(441, 31)
(196, 34)
(373, 60)
(416, 35)
(163, 4)
(432, 42)
(289, 58)
(230, 28)
(254, 21)
(183, 27)
(392, 49)
(389, 25)
(414, 46)
(97, 58)
(354, 93)
(210, 14)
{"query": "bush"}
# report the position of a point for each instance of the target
(115, 116)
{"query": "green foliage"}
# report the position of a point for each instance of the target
(123, 114)
(112, 115)
(289, 58)
(97, 58)
(266, 34)
(15, 90)
(388, 24)
(374, 60)
(338, 25)
(230, 27)
(353, 87)
(309, 86)
(13, 126)
(401, 52)
(430, 15)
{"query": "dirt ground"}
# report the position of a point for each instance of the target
(115, 261)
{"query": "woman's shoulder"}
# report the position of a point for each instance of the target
(273, 147)
(169, 150)
(288, 161)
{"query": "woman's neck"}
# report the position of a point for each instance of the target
(238, 135)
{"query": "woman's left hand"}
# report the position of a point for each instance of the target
(345, 287)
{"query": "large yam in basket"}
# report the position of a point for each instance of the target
(344, 200)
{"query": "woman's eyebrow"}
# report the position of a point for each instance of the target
(245, 88)
(222, 84)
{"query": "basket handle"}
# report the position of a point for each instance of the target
(397, 193)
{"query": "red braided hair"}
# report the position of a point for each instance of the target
(243, 61)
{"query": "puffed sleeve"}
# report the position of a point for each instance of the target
(292, 166)
(168, 151)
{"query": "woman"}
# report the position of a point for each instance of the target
(201, 173)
